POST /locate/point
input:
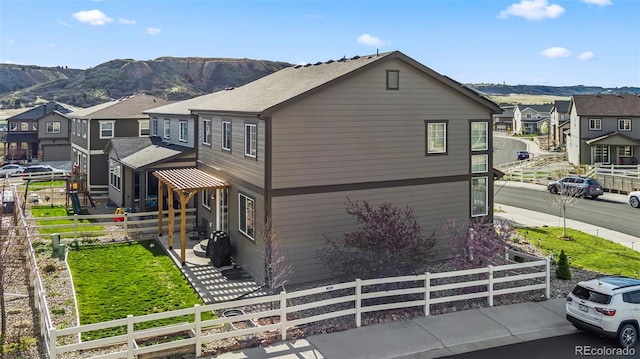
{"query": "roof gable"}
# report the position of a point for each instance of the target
(606, 105)
(41, 111)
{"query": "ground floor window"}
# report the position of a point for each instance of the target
(206, 199)
(600, 154)
(479, 196)
(223, 210)
(114, 174)
(247, 215)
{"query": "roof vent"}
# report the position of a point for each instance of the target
(328, 62)
(229, 88)
(343, 59)
(318, 63)
(307, 65)
(355, 57)
(297, 66)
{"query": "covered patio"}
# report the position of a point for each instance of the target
(614, 148)
(186, 183)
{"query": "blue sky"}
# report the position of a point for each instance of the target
(533, 42)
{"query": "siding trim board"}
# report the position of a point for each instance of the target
(368, 185)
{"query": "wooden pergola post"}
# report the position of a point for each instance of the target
(160, 205)
(171, 214)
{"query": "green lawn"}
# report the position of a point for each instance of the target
(113, 281)
(586, 251)
(40, 212)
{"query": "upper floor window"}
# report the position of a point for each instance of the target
(13, 126)
(53, 127)
(154, 126)
(183, 133)
(226, 135)
(74, 126)
(624, 124)
(393, 80)
(246, 215)
(34, 126)
(24, 126)
(436, 137)
(479, 134)
(251, 140)
(595, 124)
(167, 129)
(206, 132)
(106, 129)
(528, 115)
(479, 163)
(143, 128)
(84, 128)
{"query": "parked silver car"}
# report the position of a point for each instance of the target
(577, 187)
(634, 199)
(10, 169)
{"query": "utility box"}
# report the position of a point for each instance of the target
(55, 241)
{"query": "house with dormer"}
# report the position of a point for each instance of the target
(293, 146)
(528, 119)
(604, 129)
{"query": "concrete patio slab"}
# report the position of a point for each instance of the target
(462, 327)
(293, 349)
(524, 317)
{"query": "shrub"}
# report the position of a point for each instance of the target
(563, 270)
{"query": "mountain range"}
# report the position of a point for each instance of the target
(179, 78)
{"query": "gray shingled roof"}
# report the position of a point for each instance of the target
(607, 105)
(138, 152)
(291, 83)
(545, 108)
(562, 105)
(41, 111)
(128, 107)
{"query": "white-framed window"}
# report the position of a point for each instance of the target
(13, 126)
(226, 135)
(528, 116)
(34, 126)
(107, 129)
(206, 199)
(393, 79)
(624, 124)
(436, 137)
(251, 140)
(84, 128)
(74, 126)
(114, 174)
(479, 163)
(167, 128)
(595, 124)
(206, 132)
(600, 154)
(24, 126)
(52, 126)
(143, 128)
(183, 131)
(479, 136)
(479, 198)
(154, 126)
(625, 151)
(247, 215)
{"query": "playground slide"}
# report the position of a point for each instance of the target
(75, 201)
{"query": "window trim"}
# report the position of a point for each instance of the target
(115, 177)
(592, 125)
(390, 84)
(486, 196)
(166, 129)
(13, 126)
(113, 129)
(153, 130)
(226, 135)
(486, 163)
(206, 199)
(46, 127)
(85, 128)
(206, 131)
(183, 126)
(446, 137)
(624, 120)
(246, 198)
(141, 127)
(249, 142)
(486, 135)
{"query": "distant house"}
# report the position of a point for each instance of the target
(604, 129)
(503, 122)
(40, 133)
(529, 118)
(559, 122)
(92, 129)
(292, 146)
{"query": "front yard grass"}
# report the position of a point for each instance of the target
(138, 278)
(586, 251)
(40, 212)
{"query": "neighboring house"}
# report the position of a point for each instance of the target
(529, 118)
(40, 133)
(559, 122)
(92, 129)
(293, 146)
(604, 129)
(503, 122)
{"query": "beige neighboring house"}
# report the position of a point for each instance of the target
(528, 119)
(293, 146)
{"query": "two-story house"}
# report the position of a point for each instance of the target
(529, 118)
(293, 146)
(503, 122)
(559, 122)
(604, 129)
(40, 133)
(92, 129)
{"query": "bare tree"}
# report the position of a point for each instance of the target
(478, 242)
(563, 196)
(277, 268)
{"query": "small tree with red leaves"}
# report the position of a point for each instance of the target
(388, 241)
(478, 243)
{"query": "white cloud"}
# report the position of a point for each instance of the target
(126, 22)
(153, 30)
(587, 55)
(93, 17)
(370, 40)
(556, 52)
(533, 10)
(598, 2)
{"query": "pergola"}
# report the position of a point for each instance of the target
(186, 182)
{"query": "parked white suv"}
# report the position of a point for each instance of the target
(634, 199)
(609, 306)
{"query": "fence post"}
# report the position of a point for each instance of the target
(358, 302)
(427, 294)
(490, 287)
(53, 339)
(130, 337)
(521, 175)
(198, 329)
(126, 233)
(283, 314)
(75, 226)
(547, 291)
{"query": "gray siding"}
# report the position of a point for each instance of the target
(358, 131)
(174, 130)
(303, 221)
